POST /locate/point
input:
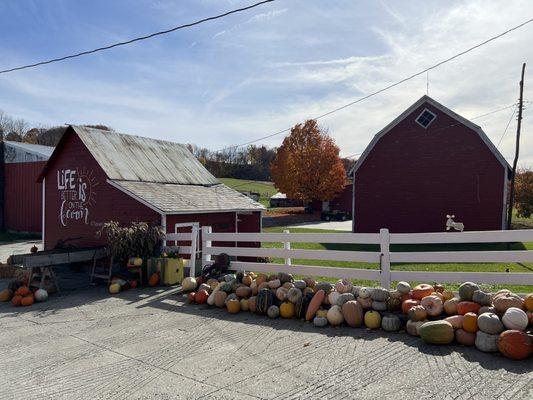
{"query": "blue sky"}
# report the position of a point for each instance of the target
(233, 80)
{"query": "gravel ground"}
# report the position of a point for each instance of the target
(147, 344)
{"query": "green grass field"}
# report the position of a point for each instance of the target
(470, 267)
(266, 189)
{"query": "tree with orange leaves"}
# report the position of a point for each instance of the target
(307, 165)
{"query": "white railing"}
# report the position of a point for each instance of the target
(384, 257)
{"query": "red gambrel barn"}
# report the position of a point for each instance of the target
(427, 163)
(95, 176)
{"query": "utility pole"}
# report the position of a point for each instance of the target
(517, 149)
(2, 182)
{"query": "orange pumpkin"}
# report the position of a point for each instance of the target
(406, 296)
(201, 296)
(528, 302)
(470, 322)
(27, 300)
(190, 297)
(23, 291)
(407, 304)
(422, 290)
(515, 344)
(233, 306)
(154, 279)
(464, 307)
(16, 300)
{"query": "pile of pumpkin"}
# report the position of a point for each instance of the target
(20, 295)
(489, 322)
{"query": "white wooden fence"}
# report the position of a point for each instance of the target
(384, 257)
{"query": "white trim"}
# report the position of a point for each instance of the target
(43, 209)
(439, 107)
(164, 226)
(430, 122)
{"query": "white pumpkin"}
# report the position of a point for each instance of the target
(515, 318)
(335, 316)
(403, 287)
(41, 295)
(333, 297)
(365, 292)
(189, 284)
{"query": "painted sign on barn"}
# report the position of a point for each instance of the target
(77, 194)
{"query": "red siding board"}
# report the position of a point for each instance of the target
(413, 177)
(23, 196)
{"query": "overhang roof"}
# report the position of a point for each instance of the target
(444, 109)
(20, 152)
(187, 199)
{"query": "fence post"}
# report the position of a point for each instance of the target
(384, 261)
(287, 246)
(206, 244)
(194, 244)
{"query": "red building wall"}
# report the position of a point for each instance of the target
(343, 201)
(23, 196)
(80, 220)
(413, 177)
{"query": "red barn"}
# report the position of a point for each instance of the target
(95, 176)
(427, 163)
(23, 163)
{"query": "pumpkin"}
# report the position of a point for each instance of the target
(343, 286)
(394, 304)
(438, 288)
(308, 290)
(528, 302)
(391, 323)
(437, 332)
(403, 287)
(154, 279)
(334, 315)
(220, 298)
(189, 284)
(456, 321)
(482, 298)
(407, 304)
(450, 306)
(114, 288)
(486, 342)
(355, 291)
(366, 302)
(379, 305)
(254, 287)
(487, 309)
(273, 311)
(265, 299)
(322, 313)
(333, 297)
(230, 278)
(262, 286)
(406, 296)
(5, 295)
(261, 278)
(252, 304)
(464, 307)
(190, 297)
(243, 291)
(247, 280)
(515, 318)
(352, 313)
(417, 313)
(447, 295)
(16, 300)
(287, 285)
(465, 338)
(413, 327)
(23, 291)
(294, 294)
(466, 291)
(470, 322)
(310, 282)
(302, 305)
(244, 305)
(286, 309)
(300, 284)
(204, 286)
(515, 344)
(506, 300)
(320, 322)
(344, 298)
(372, 319)
(27, 300)
(365, 292)
(380, 294)
(233, 306)
(314, 304)
(201, 296)
(325, 286)
(439, 295)
(489, 323)
(433, 305)
(281, 293)
(285, 277)
(422, 290)
(274, 284)
(530, 316)
(395, 294)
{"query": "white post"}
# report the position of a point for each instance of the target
(384, 263)
(206, 243)
(192, 260)
(287, 246)
(164, 226)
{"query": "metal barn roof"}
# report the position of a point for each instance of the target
(187, 199)
(17, 152)
(135, 158)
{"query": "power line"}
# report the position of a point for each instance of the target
(137, 39)
(491, 39)
(506, 127)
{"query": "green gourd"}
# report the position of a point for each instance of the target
(265, 299)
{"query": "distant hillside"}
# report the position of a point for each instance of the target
(265, 189)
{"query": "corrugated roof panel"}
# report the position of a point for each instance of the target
(135, 158)
(183, 199)
(26, 152)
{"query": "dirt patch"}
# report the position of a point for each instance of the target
(284, 216)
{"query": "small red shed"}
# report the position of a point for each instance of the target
(95, 176)
(23, 163)
(427, 163)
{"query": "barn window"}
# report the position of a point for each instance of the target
(425, 118)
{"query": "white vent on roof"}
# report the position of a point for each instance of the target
(425, 118)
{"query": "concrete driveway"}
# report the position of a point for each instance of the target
(19, 247)
(330, 225)
(147, 344)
